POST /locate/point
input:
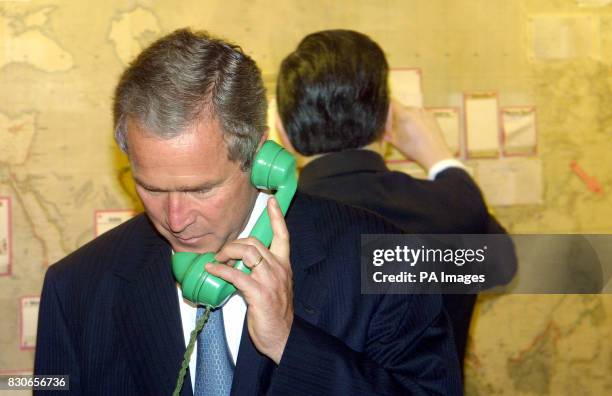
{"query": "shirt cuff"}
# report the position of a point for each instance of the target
(444, 165)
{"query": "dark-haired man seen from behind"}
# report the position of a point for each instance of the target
(334, 107)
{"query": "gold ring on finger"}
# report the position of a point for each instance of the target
(257, 263)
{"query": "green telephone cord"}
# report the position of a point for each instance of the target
(185, 365)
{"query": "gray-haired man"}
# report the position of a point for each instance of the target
(190, 113)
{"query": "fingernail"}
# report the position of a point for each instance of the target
(208, 266)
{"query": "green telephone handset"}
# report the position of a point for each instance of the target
(273, 169)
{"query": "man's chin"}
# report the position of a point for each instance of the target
(195, 244)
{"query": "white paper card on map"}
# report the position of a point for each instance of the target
(558, 37)
(482, 124)
(450, 123)
(510, 181)
(109, 219)
(405, 86)
(29, 321)
(519, 129)
(5, 236)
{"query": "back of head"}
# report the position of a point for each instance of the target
(187, 75)
(332, 92)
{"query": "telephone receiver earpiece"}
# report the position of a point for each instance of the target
(274, 170)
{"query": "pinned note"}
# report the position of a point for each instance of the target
(510, 181)
(519, 130)
(106, 220)
(482, 124)
(5, 236)
(29, 321)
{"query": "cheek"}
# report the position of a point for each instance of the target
(229, 207)
(214, 209)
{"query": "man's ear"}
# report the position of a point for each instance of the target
(282, 134)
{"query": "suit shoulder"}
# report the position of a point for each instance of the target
(450, 177)
(331, 216)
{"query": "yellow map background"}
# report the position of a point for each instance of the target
(60, 60)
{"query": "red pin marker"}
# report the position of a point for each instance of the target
(591, 182)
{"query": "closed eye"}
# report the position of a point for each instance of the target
(152, 191)
(199, 190)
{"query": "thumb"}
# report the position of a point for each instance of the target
(280, 238)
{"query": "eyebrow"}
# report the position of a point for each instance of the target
(199, 187)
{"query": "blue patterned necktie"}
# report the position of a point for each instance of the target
(214, 365)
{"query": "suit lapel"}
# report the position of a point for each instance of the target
(253, 370)
(307, 252)
(149, 320)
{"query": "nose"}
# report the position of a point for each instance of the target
(179, 212)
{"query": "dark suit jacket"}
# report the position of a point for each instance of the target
(452, 204)
(109, 317)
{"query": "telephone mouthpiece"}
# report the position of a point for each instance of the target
(197, 285)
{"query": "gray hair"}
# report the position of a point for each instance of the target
(187, 75)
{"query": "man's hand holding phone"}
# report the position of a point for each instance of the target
(268, 290)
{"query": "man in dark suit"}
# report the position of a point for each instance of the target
(190, 113)
(334, 107)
